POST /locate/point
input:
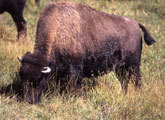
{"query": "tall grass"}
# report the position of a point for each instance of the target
(105, 101)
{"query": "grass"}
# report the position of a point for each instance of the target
(105, 101)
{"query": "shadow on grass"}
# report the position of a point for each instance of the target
(54, 88)
(13, 89)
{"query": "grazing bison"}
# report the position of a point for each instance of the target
(76, 40)
(15, 9)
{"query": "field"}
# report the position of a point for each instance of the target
(105, 100)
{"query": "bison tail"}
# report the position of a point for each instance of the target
(149, 40)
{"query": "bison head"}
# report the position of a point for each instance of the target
(33, 73)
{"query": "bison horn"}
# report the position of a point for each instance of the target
(19, 58)
(46, 70)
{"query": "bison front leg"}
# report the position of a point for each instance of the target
(74, 78)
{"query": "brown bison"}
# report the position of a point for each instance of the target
(76, 40)
(15, 9)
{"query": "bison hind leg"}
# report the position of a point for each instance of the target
(136, 77)
(123, 76)
(125, 73)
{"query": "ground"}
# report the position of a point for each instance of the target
(105, 100)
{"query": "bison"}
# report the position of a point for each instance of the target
(74, 40)
(15, 9)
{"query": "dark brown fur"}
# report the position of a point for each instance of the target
(15, 9)
(76, 40)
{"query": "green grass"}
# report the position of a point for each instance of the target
(105, 101)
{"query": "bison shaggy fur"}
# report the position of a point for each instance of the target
(76, 40)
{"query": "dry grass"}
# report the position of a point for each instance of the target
(105, 101)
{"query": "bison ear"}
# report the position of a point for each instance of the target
(46, 70)
(19, 58)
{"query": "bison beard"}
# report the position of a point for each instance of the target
(74, 40)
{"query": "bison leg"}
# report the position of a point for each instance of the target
(136, 77)
(74, 78)
(20, 22)
(123, 76)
